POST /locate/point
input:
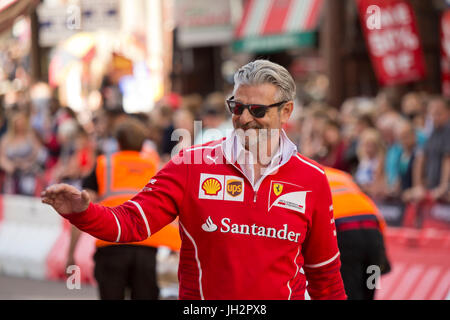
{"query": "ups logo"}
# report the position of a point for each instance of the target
(234, 187)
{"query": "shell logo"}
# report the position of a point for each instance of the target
(211, 186)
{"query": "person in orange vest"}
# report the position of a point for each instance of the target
(115, 179)
(360, 234)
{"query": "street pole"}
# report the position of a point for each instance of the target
(35, 52)
(332, 51)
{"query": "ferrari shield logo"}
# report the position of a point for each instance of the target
(277, 188)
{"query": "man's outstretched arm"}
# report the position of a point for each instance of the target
(155, 206)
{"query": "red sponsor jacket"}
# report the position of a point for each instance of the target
(237, 242)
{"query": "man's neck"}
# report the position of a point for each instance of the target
(264, 151)
(265, 155)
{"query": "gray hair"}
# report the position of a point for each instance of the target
(264, 71)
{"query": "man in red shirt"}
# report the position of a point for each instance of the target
(256, 217)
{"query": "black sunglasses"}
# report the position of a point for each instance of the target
(256, 110)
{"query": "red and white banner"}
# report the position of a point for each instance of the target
(445, 53)
(392, 39)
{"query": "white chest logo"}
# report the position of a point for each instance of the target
(252, 230)
(294, 200)
(209, 225)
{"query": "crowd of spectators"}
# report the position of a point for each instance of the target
(395, 151)
(392, 153)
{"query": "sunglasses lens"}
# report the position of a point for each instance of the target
(236, 107)
(257, 111)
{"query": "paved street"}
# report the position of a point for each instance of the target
(14, 288)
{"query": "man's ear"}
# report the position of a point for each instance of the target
(286, 111)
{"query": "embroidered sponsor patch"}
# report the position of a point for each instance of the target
(287, 195)
(277, 188)
(211, 186)
(220, 187)
(234, 188)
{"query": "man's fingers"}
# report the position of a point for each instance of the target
(59, 189)
(47, 201)
(85, 196)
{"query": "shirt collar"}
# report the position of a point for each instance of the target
(233, 150)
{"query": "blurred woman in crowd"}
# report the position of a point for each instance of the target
(334, 147)
(312, 132)
(22, 156)
(362, 122)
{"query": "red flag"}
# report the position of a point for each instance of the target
(392, 40)
(445, 53)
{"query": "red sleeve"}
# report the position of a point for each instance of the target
(155, 206)
(320, 250)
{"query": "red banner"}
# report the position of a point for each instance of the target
(392, 39)
(445, 53)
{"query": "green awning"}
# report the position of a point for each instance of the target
(272, 43)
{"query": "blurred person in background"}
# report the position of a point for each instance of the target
(163, 115)
(58, 114)
(127, 267)
(183, 119)
(432, 167)
(369, 175)
(334, 146)
(193, 103)
(77, 154)
(3, 128)
(387, 102)
(104, 122)
(360, 228)
(389, 126)
(215, 122)
(3, 121)
(41, 95)
(149, 147)
(413, 108)
(22, 156)
(348, 118)
(406, 135)
(163, 118)
(362, 122)
(386, 125)
(312, 131)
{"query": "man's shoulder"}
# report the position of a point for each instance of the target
(200, 153)
(307, 165)
(205, 146)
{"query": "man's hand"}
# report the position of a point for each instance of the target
(65, 198)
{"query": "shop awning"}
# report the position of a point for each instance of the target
(272, 25)
(11, 9)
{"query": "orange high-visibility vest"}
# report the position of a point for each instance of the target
(348, 199)
(120, 176)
